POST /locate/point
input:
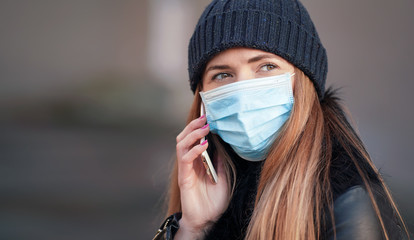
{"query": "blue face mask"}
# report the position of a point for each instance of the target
(248, 114)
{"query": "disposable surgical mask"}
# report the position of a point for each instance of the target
(249, 114)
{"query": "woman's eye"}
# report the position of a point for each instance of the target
(221, 76)
(268, 67)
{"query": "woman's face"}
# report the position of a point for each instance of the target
(238, 64)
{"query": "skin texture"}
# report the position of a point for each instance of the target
(203, 202)
(238, 64)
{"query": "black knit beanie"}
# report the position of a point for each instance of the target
(282, 27)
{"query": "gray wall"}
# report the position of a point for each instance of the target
(93, 94)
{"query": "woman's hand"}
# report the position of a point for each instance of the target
(201, 200)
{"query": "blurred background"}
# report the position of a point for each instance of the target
(93, 93)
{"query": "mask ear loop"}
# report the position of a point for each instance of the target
(292, 88)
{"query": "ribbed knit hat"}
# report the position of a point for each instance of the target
(282, 27)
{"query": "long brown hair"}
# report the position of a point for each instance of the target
(294, 191)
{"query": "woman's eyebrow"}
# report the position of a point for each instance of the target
(260, 57)
(218, 67)
(251, 60)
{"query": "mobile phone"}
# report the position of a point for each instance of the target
(211, 172)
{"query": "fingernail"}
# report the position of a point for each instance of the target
(202, 116)
(204, 142)
(205, 126)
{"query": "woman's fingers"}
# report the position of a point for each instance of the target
(194, 152)
(193, 137)
(195, 124)
(189, 148)
(186, 164)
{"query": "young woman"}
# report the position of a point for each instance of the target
(289, 165)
